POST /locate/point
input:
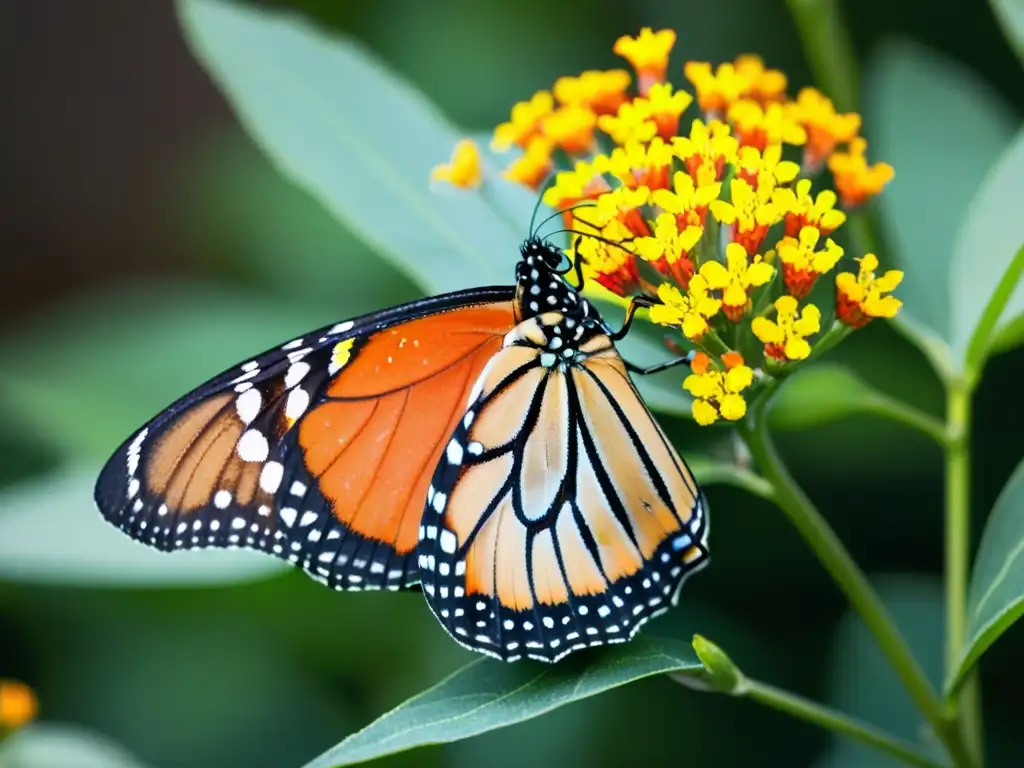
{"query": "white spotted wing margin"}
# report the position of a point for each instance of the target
(484, 696)
(531, 546)
(221, 466)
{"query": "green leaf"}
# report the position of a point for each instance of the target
(1010, 14)
(985, 251)
(486, 695)
(356, 136)
(52, 533)
(827, 392)
(996, 597)
(83, 378)
(941, 143)
(48, 745)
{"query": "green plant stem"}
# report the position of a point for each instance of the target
(828, 49)
(964, 704)
(851, 580)
(833, 720)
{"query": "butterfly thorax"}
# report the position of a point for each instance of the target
(553, 316)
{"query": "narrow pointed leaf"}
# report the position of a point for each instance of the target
(354, 134)
(996, 598)
(953, 130)
(986, 251)
(486, 695)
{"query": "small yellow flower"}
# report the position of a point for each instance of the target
(464, 170)
(623, 204)
(18, 705)
(582, 182)
(785, 338)
(767, 167)
(861, 297)
(669, 248)
(719, 89)
(524, 123)
(803, 210)
(690, 312)
(532, 167)
(686, 200)
(750, 213)
(571, 128)
(764, 85)
(665, 107)
(759, 126)
(648, 53)
(641, 165)
(855, 180)
(707, 150)
(736, 279)
(825, 127)
(716, 393)
(608, 265)
(632, 123)
(600, 92)
(802, 263)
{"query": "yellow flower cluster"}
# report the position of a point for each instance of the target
(715, 215)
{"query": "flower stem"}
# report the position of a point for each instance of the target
(828, 49)
(833, 720)
(851, 580)
(966, 703)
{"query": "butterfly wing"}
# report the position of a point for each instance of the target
(319, 451)
(560, 516)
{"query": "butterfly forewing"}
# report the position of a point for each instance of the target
(559, 515)
(319, 451)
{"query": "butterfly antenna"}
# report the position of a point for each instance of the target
(540, 198)
(584, 204)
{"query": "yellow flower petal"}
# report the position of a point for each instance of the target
(716, 274)
(704, 413)
(733, 407)
(766, 331)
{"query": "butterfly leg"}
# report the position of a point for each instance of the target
(658, 367)
(635, 303)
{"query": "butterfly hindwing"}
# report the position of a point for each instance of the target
(316, 450)
(559, 515)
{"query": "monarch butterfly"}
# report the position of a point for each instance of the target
(487, 445)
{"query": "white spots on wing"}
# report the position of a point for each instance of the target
(454, 452)
(548, 622)
(250, 366)
(253, 446)
(298, 488)
(298, 402)
(308, 518)
(214, 525)
(295, 344)
(238, 523)
(271, 475)
(296, 373)
(460, 568)
(340, 328)
(603, 611)
(448, 542)
(314, 535)
(134, 449)
(133, 487)
(467, 420)
(475, 448)
(439, 501)
(248, 405)
(288, 515)
(222, 499)
(548, 359)
(162, 511)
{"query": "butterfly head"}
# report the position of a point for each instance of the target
(540, 283)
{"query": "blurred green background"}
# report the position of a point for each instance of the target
(145, 244)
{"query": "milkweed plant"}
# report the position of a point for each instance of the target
(742, 209)
(727, 219)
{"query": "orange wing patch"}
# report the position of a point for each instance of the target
(374, 444)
